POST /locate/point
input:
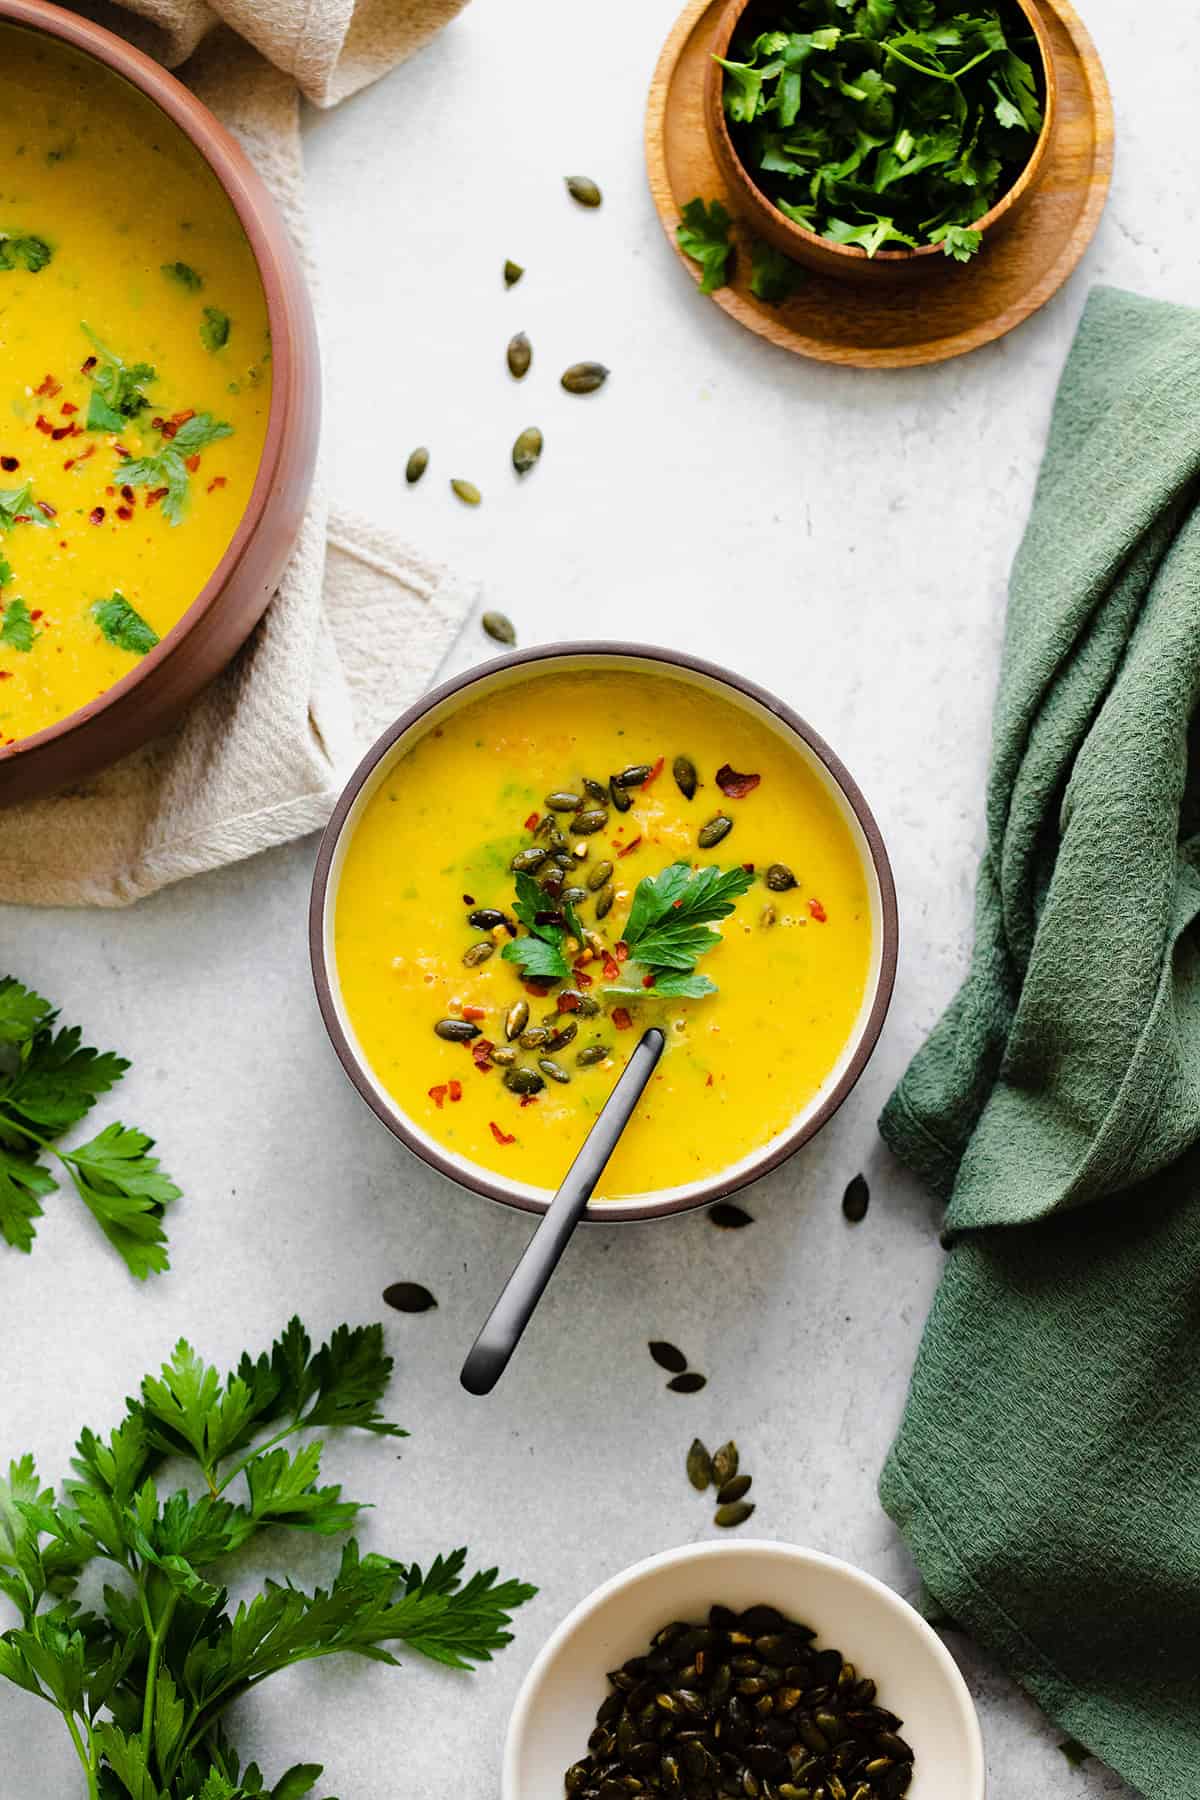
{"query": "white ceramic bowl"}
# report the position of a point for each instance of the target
(877, 1630)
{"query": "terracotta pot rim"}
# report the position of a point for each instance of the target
(809, 241)
(241, 184)
(702, 1193)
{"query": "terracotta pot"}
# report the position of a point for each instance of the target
(849, 262)
(442, 703)
(148, 699)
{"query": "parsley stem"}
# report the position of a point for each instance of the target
(267, 1444)
(157, 1634)
(89, 1767)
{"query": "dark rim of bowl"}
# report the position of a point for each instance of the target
(736, 10)
(718, 1187)
(243, 187)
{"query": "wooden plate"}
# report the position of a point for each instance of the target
(870, 328)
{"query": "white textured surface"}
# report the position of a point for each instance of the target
(845, 538)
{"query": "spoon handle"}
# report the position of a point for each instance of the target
(488, 1357)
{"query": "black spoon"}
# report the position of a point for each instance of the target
(501, 1334)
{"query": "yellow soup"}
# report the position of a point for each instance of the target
(436, 841)
(134, 378)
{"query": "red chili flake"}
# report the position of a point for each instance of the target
(748, 867)
(630, 847)
(48, 388)
(216, 482)
(655, 772)
(736, 786)
(611, 968)
(818, 911)
(455, 1090)
(43, 425)
(474, 1013)
(649, 980)
(582, 976)
(155, 495)
(171, 426)
(622, 950)
(708, 1083)
(127, 492)
(22, 518)
(192, 462)
(468, 899)
(45, 508)
(568, 1002)
(124, 512)
(501, 1137)
(67, 408)
(96, 516)
(65, 431)
(122, 451)
(538, 988)
(9, 463)
(481, 1050)
(110, 491)
(621, 1019)
(438, 1095)
(529, 1099)
(6, 675)
(531, 822)
(36, 613)
(85, 368)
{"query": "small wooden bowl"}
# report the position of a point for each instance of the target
(849, 262)
(225, 611)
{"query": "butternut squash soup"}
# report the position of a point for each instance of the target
(135, 378)
(568, 859)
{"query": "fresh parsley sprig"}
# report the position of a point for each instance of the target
(143, 1683)
(167, 469)
(540, 955)
(117, 387)
(49, 1082)
(670, 928)
(703, 234)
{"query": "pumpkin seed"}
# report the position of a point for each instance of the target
(691, 1383)
(780, 878)
(584, 190)
(566, 1034)
(499, 627)
(856, 1200)
(736, 1489)
(571, 1000)
(718, 827)
(478, 953)
(572, 896)
(598, 875)
(504, 1055)
(523, 1081)
(736, 1514)
(728, 1217)
(591, 819)
(526, 861)
(699, 1466)
(563, 800)
(618, 796)
(768, 916)
(467, 492)
(686, 779)
(554, 1070)
(596, 789)
(590, 1055)
(519, 355)
(409, 1297)
(516, 1019)
(536, 1038)
(416, 465)
(604, 902)
(527, 449)
(512, 273)
(634, 775)
(456, 1031)
(667, 1356)
(725, 1463)
(584, 377)
(485, 918)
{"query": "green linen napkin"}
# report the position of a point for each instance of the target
(1047, 1470)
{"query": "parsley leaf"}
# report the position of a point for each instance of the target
(670, 927)
(16, 626)
(117, 388)
(539, 956)
(49, 1081)
(5, 572)
(703, 234)
(123, 625)
(31, 253)
(144, 1683)
(773, 276)
(168, 469)
(185, 275)
(214, 328)
(17, 507)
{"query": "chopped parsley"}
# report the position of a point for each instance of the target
(167, 469)
(214, 328)
(16, 626)
(185, 275)
(703, 234)
(117, 388)
(773, 276)
(123, 625)
(540, 955)
(31, 253)
(18, 507)
(902, 125)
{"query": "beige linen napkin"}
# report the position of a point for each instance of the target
(360, 623)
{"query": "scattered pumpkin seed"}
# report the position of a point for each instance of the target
(527, 860)
(734, 1489)
(563, 800)
(633, 776)
(768, 916)
(728, 1217)
(409, 1297)
(584, 190)
(590, 1055)
(499, 627)
(523, 1081)
(512, 273)
(718, 827)
(416, 465)
(535, 1038)
(856, 1200)
(619, 796)
(519, 355)
(504, 1055)
(584, 377)
(735, 1514)
(689, 1383)
(699, 1466)
(553, 1069)
(686, 779)
(780, 878)
(599, 875)
(467, 492)
(527, 449)
(667, 1356)
(485, 918)
(573, 896)
(725, 1463)
(566, 1034)
(456, 1031)
(478, 953)
(591, 819)
(604, 901)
